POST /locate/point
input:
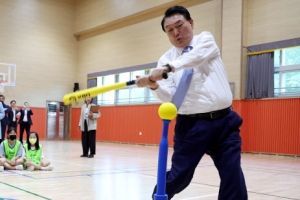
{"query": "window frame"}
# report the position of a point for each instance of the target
(280, 70)
(146, 99)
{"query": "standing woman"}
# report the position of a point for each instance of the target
(88, 126)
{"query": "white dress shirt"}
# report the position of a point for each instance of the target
(14, 118)
(209, 89)
(25, 116)
(87, 112)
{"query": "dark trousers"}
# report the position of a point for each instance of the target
(218, 138)
(88, 140)
(24, 126)
(3, 132)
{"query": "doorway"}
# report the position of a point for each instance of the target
(58, 117)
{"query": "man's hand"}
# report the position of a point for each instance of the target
(150, 80)
(144, 81)
(157, 74)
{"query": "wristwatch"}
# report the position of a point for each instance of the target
(165, 72)
(169, 67)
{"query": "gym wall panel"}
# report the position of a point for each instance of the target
(271, 20)
(269, 126)
(37, 36)
(232, 41)
(39, 118)
(126, 124)
(75, 132)
(92, 13)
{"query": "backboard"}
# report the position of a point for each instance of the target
(8, 74)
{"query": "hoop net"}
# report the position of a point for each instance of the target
(2, 85)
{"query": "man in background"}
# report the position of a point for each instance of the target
(4, 120)
(13, 114)
(25, 120)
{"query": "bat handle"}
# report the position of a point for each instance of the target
(165, 74)
(130, 82)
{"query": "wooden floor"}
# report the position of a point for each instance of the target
(128, 172)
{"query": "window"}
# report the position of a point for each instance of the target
(287, 72)
(124, 93)
(127, 95)
(108, 97)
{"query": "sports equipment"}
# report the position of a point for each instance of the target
(167, 111)
(94, 91)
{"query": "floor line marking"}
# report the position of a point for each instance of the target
(12, 172)
(24, 190)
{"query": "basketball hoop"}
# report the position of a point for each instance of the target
(2, 85)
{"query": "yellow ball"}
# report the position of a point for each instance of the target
(167, 111)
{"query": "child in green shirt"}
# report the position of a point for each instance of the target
(11, 151)
(34, 158)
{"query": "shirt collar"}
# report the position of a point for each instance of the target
(179, 50)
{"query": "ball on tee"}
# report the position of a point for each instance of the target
(167, 111)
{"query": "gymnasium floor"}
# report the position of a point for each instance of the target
(128, 172)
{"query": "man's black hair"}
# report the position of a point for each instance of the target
(175, 10)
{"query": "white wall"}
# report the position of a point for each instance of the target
(37, 36)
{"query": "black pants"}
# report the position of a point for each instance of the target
(88, 139)
(218, 138)
(3, 132)
(24, 126)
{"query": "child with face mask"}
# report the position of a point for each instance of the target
(34, 157)
(11, 152)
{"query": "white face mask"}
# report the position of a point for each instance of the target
(32, 140)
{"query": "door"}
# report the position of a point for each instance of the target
(58, 116)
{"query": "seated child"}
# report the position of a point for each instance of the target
(34, 157)
(11, 152)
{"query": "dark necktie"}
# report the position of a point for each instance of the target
(184, 83)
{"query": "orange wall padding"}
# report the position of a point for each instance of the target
(39, 122)
(269, 126)
(124, 124)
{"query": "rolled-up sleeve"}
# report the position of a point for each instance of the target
(205, 49)
(166, 88)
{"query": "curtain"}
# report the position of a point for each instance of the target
(260, 76)
(92, 83)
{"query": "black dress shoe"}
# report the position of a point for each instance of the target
(91, 156)
(84, 155)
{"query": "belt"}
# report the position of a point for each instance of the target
(210, 115)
